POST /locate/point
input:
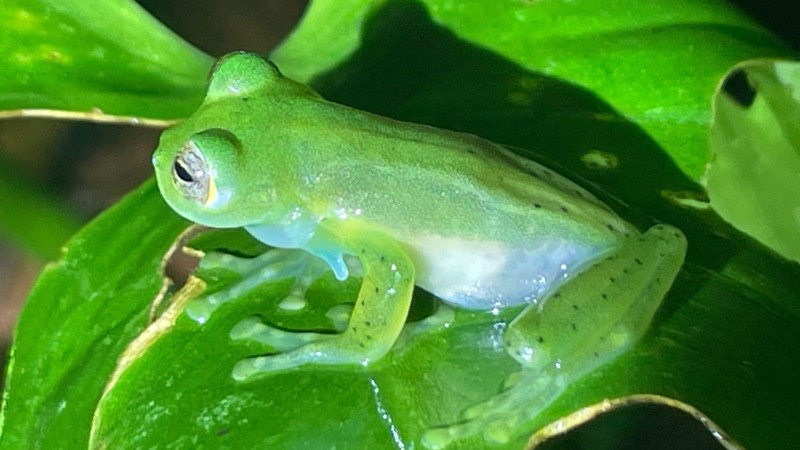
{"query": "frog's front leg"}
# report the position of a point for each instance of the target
(590, 320)
(377, 318)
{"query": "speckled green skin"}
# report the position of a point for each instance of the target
(305, 151)
(458, 215)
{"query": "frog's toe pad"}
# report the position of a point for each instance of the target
(293, 302)
(249, 368)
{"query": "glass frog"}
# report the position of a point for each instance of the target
(454, 214)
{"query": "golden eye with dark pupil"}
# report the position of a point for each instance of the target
(191, 174)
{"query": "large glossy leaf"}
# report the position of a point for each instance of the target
(674, 52)
(93, 60)
(83, 311)
(718, 343)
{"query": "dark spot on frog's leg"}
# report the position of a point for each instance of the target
(540, 339)
(564, 208)
(376, 289)
(596, 355)
(626, 271)
(610, 227)
(677, 235)
(574, 327)
(222, 432)
(245, 99)
(575, 307)
(368, 323)
(383, 258)
(612, 279)
(556, 295)
(638, 261)
(604, 296)
(364, 302)
(537, 205)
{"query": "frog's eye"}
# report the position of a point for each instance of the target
(192, 175)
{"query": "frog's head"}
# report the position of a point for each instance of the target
(198, 177)
(208, 168)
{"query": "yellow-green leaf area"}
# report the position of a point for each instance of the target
(752, 180)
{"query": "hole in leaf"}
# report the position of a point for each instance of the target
(738, 87)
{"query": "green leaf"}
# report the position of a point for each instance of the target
(752, 180)
(656, 64)
(95, 59)
(718, 343)
(173, 393)
(82, 312)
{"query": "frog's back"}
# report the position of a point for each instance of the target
(484, 228)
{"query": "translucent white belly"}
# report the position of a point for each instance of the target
(492, 274)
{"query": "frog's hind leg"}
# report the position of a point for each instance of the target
(590, 320)
(604, 308)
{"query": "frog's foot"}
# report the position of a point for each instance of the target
(296, 349)
(358, 342)
(253, 329)
(377, 317)
(250, 273)
(502, 417)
